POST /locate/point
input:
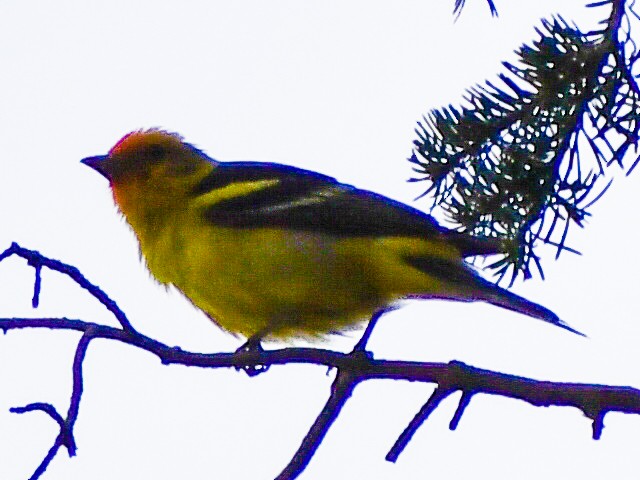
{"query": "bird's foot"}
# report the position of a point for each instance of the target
(252, 345)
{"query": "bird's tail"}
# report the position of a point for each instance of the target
(503, 298)
(467, 285)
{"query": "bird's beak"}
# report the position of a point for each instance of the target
(97, 163)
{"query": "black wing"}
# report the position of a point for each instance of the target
(308, 201)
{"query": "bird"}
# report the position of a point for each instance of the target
(275, 252)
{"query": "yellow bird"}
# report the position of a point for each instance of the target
(271, 251)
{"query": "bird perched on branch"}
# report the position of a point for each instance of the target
(273, 251)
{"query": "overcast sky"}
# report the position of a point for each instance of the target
(333, 86)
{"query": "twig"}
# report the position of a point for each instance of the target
(594, 400)
(352, 368)
(36, 260)
(403, 440)
(341, 390)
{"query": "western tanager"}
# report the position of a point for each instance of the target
(273, 251)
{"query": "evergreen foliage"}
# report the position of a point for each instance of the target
(524, 159)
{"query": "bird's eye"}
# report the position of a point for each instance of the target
(155, 152)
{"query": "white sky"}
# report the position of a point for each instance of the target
(334, 86)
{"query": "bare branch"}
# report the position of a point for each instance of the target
(595, 401)
(341, 390)
(37, 261)
(436, 397)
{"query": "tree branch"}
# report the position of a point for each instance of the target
(37, 261)
(341, 390)
(506, 164)
(594, 400)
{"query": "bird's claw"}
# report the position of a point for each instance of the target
(252, 345)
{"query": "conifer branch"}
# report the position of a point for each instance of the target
(525, 158)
